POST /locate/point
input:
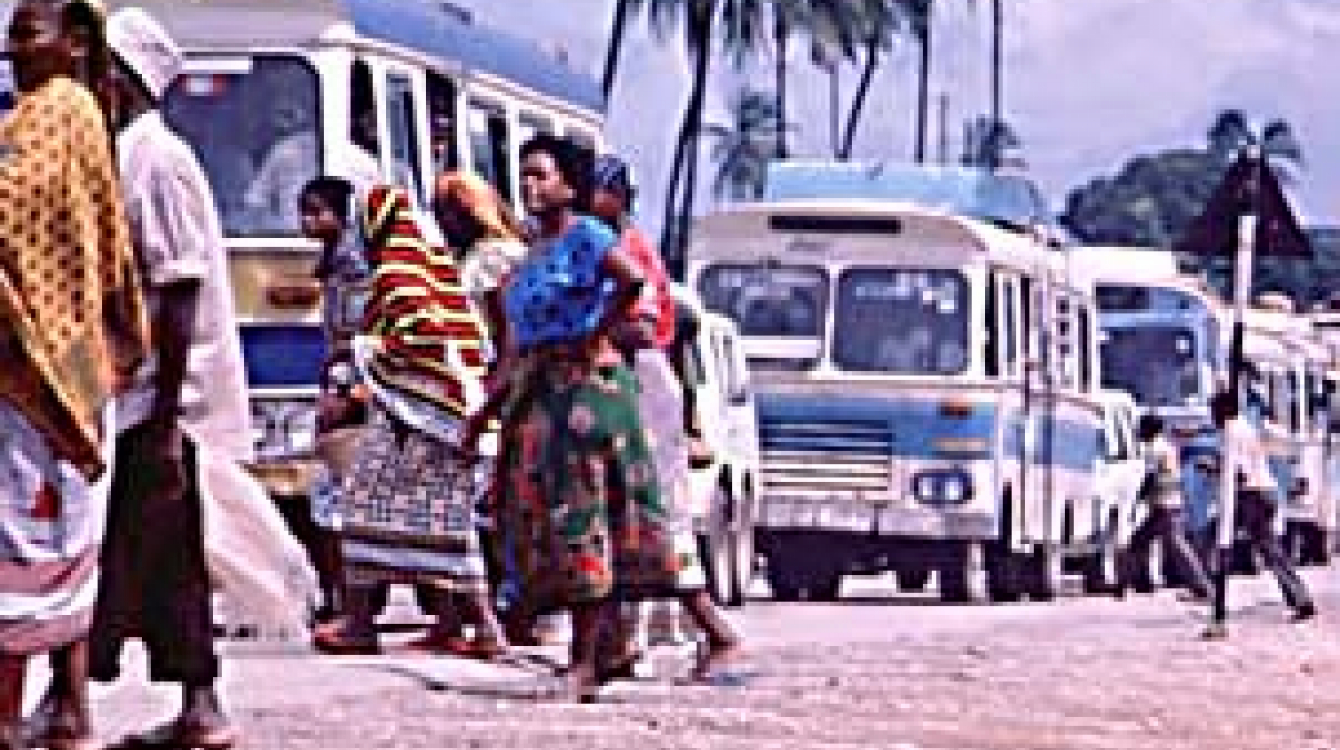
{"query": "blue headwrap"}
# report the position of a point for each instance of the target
(613, 173)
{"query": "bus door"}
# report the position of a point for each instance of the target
(1039, 403)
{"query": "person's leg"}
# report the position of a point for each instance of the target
(1184, 556)
(1257, 514)
(66, 713)
(1129, 568)
(581, 679)
(723, 642)
(13, 672)
(178, 617)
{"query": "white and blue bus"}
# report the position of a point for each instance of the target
(276, 93)
(1286, 384)
(1164, 340)
(926, 377)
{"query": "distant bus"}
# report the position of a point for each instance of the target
(276, 93)
(926, 377)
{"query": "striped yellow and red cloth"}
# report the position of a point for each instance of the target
(427, 340)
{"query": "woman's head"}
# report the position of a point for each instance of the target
(612, 199)
(52, 38)
(324, 205)
(556, 175)
(468, 210)
(1149, 427)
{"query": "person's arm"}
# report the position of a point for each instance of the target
(628, 283)
(175, 239)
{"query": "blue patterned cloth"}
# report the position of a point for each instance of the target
(561, 292)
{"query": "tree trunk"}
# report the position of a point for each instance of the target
(923, 93)
(997, 60)
(783, 33)
(680, 195)
(858, 100)
(614, 47)
(689, 154)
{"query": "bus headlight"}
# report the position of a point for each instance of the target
(942, 487)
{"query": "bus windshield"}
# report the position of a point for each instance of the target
(254, 123)
(783, 305)
(905, 322)
(1157, 365)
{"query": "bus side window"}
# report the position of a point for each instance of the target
(1065, 342)
(1011, 324)
(442, 123)
(992, 330)
(490, 146)
(1028, 306)
(403, 127)
(1085, 350)
(363, 110)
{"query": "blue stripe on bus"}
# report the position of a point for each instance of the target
(911, 428)
(283, 355)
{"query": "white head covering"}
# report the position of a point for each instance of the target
(145, 46)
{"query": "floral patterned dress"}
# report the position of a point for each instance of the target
(578, 487)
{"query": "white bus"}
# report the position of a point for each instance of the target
(926, 382)
(276, 93)
(1165, 341)
(1288, 367)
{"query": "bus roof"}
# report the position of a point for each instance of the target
(1011, 200)
(1128, 264)
(428, 27)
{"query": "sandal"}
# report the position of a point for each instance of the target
(180, 735)
(619, 669)
(714, 669)
(339, 644)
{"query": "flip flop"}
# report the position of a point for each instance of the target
(179, 736)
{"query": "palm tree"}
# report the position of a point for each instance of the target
(880, 23)
(987, 142)
(997, 60)
(742, 26)
(788, 16)
(1232, 131)
(624, 11)
(743, 147)
(918, 14)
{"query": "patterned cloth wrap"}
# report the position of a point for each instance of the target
(407, 503)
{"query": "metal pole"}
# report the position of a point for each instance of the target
(835, 103)
(1242, 285)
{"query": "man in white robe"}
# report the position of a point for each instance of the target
(185, 421)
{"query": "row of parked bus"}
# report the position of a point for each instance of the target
(945, 387)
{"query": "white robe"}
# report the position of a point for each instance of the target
(252, 557)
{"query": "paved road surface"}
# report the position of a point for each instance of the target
(876, 671)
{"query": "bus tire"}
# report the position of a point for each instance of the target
(1046, 575)
(743, 563)
(913, 580)
(714, 554)
(963, 576)
(1100, 569)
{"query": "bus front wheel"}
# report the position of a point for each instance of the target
(963, 576)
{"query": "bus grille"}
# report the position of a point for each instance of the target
(831, 461)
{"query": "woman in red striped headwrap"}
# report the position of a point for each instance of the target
(407, 507)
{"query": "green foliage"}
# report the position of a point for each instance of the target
(1154, 198)
(743, 147)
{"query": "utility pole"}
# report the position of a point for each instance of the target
(834, 107)
(1242, 286)
(944, 129)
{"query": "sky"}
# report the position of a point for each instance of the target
(1088, 83)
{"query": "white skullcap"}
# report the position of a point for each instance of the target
(145, 47)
